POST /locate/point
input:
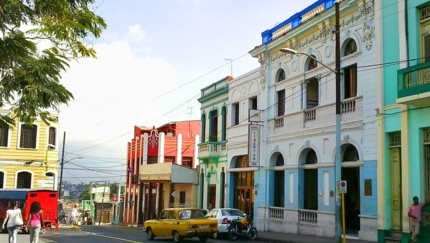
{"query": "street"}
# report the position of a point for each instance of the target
(108, 234)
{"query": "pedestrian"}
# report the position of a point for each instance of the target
(14, 221)
(74, 215)
(35, 221)
(414, 215)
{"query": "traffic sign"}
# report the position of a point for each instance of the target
(342, 186)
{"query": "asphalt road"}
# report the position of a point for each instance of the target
(110, 234)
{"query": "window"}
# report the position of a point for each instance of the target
(280, 75)
(28, 136)
(253, 103)
(4, 137)
(52, 135)
(279, 184)
(152, 160)
(235, 117)
(350, 81)
(187, 161)
(425, 30)
(350, 47)
(203, 127)
(2, 177)
(281, 103)
(312, 63)
(213, 126)
(23, 180)
(310, 182)
(182, 197)
(312, 93)
(169, 159)
(224, 123)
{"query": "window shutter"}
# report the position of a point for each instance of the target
(426, 47)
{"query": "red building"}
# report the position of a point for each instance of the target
(161, 169)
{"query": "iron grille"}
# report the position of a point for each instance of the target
(395, 139)
(425, 13)
(426, 136)
(426, 156)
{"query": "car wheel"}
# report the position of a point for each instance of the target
(176, 236)
(216, 235)
(150, 234)
(203, 238)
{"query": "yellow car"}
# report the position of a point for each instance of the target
(181, 223)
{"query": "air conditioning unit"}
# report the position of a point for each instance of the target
(51, 147)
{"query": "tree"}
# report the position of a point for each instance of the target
(29, 75)
(114, 188)
(85, 195)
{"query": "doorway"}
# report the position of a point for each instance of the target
(212, 196)
(352, 198)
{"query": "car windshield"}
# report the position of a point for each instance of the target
(231, 212)
(191, 214)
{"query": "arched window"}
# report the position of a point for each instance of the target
(312, 63)
(223, 123)
(311, 158)
(279, 183)
(351, 154)
(280, 75)
(213, 126)
(311, 182)
(23, 179)
(350, 47)
(51, 176)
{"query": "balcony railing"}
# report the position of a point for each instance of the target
(279, 121)
(211, 149)
(310, 114)
(348, 106)
(412, 81)
(308, 216)
(276, 213)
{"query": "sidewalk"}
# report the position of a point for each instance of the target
(276, 237)
(21, 238)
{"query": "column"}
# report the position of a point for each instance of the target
(196, 151)
(179, 149)
(161, 141)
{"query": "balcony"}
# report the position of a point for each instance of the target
(320, 116)
(167, 172)
(212, 151)
(414, 85)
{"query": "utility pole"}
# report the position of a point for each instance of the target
(62, 165)
(191, 112)
(338, 175)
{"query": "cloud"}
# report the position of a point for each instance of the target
(112, 95)
(135, 33)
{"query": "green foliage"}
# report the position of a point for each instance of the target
(85, 195)
(29, 75)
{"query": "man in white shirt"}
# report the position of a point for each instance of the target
(74, 214)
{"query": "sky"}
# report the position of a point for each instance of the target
(152, 61)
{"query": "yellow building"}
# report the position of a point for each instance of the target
(29, 155)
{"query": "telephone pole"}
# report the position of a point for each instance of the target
(191, 112)
(62, 165)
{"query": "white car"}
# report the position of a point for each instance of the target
(223, 216)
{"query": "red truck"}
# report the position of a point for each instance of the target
(48, 199)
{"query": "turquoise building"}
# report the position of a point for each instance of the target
(403, 117)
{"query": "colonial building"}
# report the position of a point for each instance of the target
(29, 155)
(161, 169)
(212, 146)
(404, 117)
(295, 180)
(244, 93)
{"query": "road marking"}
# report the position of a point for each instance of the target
(115, 238)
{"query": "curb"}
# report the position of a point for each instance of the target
(130, 227)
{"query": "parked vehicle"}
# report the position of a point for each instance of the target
(223, 215)
(180, 223)
(24, 197)
(241, 227)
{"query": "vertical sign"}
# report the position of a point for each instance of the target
(254, 145)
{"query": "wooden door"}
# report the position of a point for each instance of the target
(396, 185)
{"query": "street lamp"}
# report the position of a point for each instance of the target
(61, 174)
(337, 162)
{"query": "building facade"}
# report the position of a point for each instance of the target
(161, 170)
(212, 146)
(297, 168)
(29, 155)
(244, 93)
(404, 124)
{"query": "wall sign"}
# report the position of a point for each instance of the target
(254, 145)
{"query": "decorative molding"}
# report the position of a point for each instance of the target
(263, 66)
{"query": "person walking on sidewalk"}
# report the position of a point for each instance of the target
(74, 215)
(35, 221)
(414, 215)
(11, 216)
